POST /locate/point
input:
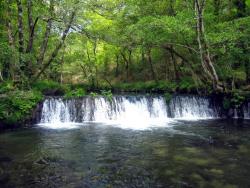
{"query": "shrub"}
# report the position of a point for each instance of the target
(234, 101)
(6, 87)
(48, 87)
(78, 92)
(237, 99)
(93, 94)
(149, 86)
(107, 94)
(187, 84)
(16, 106)
(166, 86)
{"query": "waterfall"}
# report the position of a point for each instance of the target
(126, 110)
(242, 112)
(101, 109)
(192, 107)
(246, 110)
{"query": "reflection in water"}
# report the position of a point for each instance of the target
(186, 154)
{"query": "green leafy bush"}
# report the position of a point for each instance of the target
(107, 94)
(6, 87)
(237, 99)
(49, 87)
(93, 94)
(16, 106)
(149, 86)
(78, 92)
(187, 84)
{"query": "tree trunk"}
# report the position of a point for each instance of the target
(96, 68)
(129, 64)
(1, 77)
(90, 67)
(10, 40)
(58, 47)
(177, 76)
(197, 79)
(20, 25)
(126, 65)
(9, 26)
(151, 65)
(117, 66)
(206, 61)
(61, 67)
(46, 35)
(32, 26)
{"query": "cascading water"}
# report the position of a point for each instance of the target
(246, 110)
(192, 107)
(129, 111)
(119, 109)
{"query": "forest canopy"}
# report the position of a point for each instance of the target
(181, 43)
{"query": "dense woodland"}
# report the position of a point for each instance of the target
(159, 45)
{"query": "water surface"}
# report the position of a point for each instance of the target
(209, 153)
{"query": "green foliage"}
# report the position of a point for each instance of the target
(107, 94)
(50, 87)
(93, 94)
(78, 92)
(187, 84)
(142, 45)
(149, 86)
(237, 99)
(6, 87)
(16, 106)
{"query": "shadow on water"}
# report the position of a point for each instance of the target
(211, 153)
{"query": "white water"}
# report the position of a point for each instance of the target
(246, 111)
(192, 108)
(132, 112)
